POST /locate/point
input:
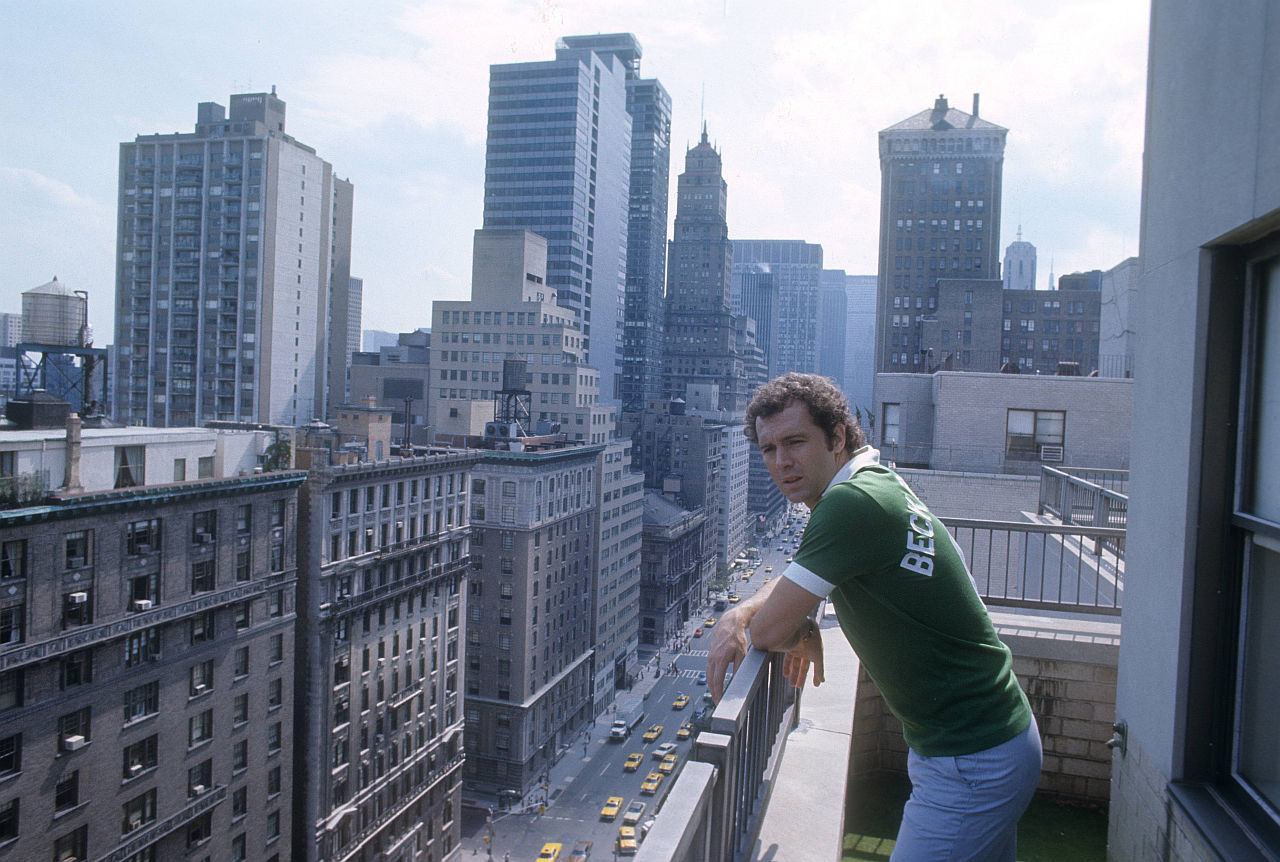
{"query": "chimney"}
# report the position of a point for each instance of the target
(975, 104)
(71, 479)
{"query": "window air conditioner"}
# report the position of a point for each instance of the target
(197, 789)
(1051, 453)
(142, 604)
(75, 562)
(142, 548)
(74, 742)
(135, 769)
(200, 688)
(202, 537)
(77, 598)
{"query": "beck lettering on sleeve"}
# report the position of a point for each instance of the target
(919, 551)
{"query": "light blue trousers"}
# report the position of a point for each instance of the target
(966, 808)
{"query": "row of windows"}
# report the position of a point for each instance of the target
(142, 593)
(938, 263)
(389, 535)
(141, 811)
(939, 224)
(140, 537)
(388, 494)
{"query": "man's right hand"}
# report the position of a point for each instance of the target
(728, 647)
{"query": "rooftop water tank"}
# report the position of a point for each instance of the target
(54, 314)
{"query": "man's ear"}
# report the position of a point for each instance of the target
(838, 438)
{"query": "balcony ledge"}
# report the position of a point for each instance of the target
(804, 816)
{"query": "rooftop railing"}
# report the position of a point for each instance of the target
(1044, 566)
(1092, 497)
(714, 809)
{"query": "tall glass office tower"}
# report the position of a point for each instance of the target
(558, 163)
(649, 105)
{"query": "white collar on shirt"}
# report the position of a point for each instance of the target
(862, 458)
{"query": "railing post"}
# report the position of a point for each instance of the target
(717, 749)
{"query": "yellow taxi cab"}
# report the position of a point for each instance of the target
(627, 844)
(651, 783)
(768, 568)
(734, 598)
(685, 731)
(633, 762)
(611, 806)
(747, 576)
(709, 622)
(680, 702)
(550, 852)
(668, 764)
(652, 734)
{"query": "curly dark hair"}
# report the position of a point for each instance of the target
(827, 405)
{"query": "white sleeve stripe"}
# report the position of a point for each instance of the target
(807, 580)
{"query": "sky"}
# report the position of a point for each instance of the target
(393, 95)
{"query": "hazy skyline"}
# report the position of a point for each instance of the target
(394, 96)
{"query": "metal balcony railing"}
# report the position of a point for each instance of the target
(1093, 498)
(714, 809)
(1043, 566)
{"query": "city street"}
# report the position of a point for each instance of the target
(591, 770)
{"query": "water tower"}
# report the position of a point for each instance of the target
(55, 327)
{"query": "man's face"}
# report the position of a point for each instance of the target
(796, 452)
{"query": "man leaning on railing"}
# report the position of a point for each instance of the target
(907, 604)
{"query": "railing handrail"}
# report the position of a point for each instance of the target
(1089, 563)
(681, 832)
(742, 750)
(1032, 527)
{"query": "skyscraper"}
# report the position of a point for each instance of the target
(1020, 265)
(701, 336)
(649, 105)
(233, 242)
(796, 268)
(558, 163)
(860, 328)
(831, 325)
(940, 185)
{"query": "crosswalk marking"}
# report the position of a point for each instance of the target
(698, 652)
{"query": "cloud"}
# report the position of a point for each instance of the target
(61, 232)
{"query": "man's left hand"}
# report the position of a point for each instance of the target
(796, 663)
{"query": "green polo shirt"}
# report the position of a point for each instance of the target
(907, 604)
